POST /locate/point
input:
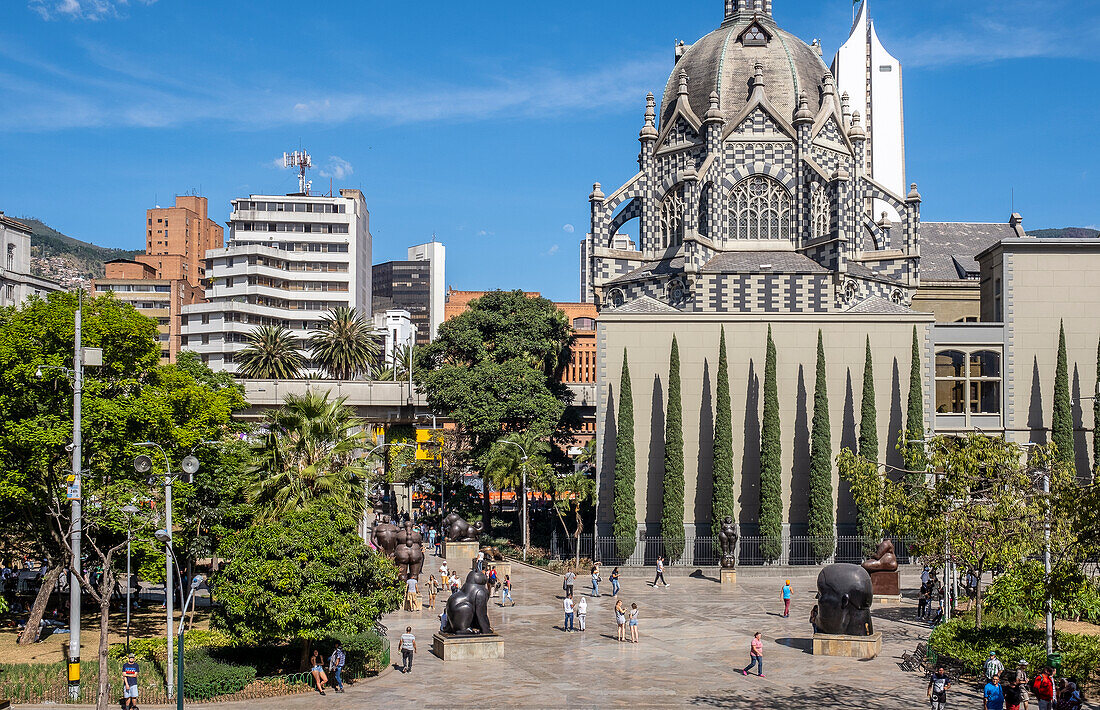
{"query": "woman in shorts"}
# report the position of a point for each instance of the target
(633, 622)
(317, 668)
(620, 619)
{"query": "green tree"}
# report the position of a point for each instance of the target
(570, 492)
(626, 518)
(1062, 420)
(1096, 421)
(496, 368)
(303, 577)
(820, 512)
(271, 354)
(865, 483)
(309, 453)
(506, 463)
(911, 444)
(868, 420)
(723, 498)
(672, 509)
(344, 344)
(771, 462)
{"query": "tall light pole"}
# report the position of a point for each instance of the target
(166, 537)
(523, 468)
(129, 510)
(1048, 605)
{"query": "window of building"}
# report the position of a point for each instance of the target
(820, 210)
(754, 36)
(672, 217)
(968, 382)
(11, 257)
(998, 311)
(760, 208)
(584, 323)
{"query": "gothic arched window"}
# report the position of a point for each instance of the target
(820, 210)
(760, 208)
(672, 217)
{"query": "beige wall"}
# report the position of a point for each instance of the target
(647, 339)
(1047, 282)
(950, 304)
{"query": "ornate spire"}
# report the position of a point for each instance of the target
(682, 90)
(714, 113)
(803, 114)
(855, 132)
(649, 130)
(736, 9)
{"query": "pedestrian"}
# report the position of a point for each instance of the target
(615, 582)
(443, 620)
(480, 565)
(438, 542)
(634, 622)
(595, 579)
(1069, 697)
(431, 538)
(433, 589)
(506, 590)
(568, 604)
(317, 668)
(992, 667)
(582, 612)
(412, 599)
(1021, 682)
(925, 575)
(1014, 693)
(408, 648)
(938, 685)
(756, 656)
(993, 695)
(922, 600)
(787, 599)
(336, 666)
(620, 619)
(660, 572)
(567, 585)
(130, 683)
(1043, 689)
(443, 574)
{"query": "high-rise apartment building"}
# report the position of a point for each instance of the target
(16, 282)
(416, 286)
(289, 260)
(177, 239)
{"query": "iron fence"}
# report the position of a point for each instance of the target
(751, 550)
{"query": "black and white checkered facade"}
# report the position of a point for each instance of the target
(753, 154)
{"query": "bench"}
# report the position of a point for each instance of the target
(915, 660)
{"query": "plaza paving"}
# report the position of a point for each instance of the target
(693, 643)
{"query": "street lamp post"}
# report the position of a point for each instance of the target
(1048, 606)
(129, 510)
(166, 537)
(523, 468)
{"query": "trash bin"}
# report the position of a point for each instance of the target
(1054, 660)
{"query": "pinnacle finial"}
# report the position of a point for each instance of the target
(683, 88)
(714, 112)
(803, 113)
(855, 131)
(650, 109)
(758, 75)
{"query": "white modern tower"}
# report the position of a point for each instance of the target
(289, 260)
(871, 77)
(436, 255)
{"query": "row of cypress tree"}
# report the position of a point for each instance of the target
(723, 502)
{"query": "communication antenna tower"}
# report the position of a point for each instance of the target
(301, 160)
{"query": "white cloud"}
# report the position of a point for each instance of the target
(81, 9)
(336, 168)
(551, 251)
(568, 229)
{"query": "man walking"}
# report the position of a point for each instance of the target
(660, 572)
(408, 648)
(993, 667)
(335, 666)
(567, 586)
(1043, 686)
(431, 540)
(568, 612)
(938, 685)
(787, 599)
(1014, 695)
(129, 683)
(993, 695)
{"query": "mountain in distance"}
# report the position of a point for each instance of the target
(66, 259)
(1064, 233)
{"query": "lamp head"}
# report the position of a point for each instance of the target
(163, 536)
(197, 581)
(143, 464)
(145, 443)
(38, 372)
(130, 509)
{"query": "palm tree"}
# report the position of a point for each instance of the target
(504, 467)
(344, 344)
(309, 453)
(272, 354)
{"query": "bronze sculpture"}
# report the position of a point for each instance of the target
(384, 534)
(409, 555)
(883, 568)
(727, 538)
(467, 609)
(456, 529)
(844, 596)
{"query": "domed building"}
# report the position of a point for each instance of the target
(768, 210)
(753, 193)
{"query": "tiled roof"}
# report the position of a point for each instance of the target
(880, 306)
(947, 249)
(863, 271)
(644, 304)
(664, 267)
(753, 262)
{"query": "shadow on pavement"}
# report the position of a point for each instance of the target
(819, 695)
(804, 645)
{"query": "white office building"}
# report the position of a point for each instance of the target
(288, 261)
(398, 332)
(436, 255)
(16, 282)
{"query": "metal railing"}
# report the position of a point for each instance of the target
(751, 550)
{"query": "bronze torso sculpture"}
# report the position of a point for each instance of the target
(408, 554)
(884, 559)
(844, 598)
(467, 609)
(384, 534)
(727, 538)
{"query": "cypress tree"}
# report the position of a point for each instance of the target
(771, 465)
(866, 520)
(913, 453)
(625, 528)
(1062, 420)
(1096, 420)
(820, 509)
(723, 499)
(672, 512)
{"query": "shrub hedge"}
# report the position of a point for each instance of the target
(208, 677)
(151, 649)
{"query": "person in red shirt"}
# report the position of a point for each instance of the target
(1043, 687)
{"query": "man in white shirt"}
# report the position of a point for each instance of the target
(568, 612)
(408, 648)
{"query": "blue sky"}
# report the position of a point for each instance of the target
(487, 122)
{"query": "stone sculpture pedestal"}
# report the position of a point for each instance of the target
(862, 647)
(467, 648)
(887, 599)
(460, 556)
(885, 584)
(504, 569)
(729, 579)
